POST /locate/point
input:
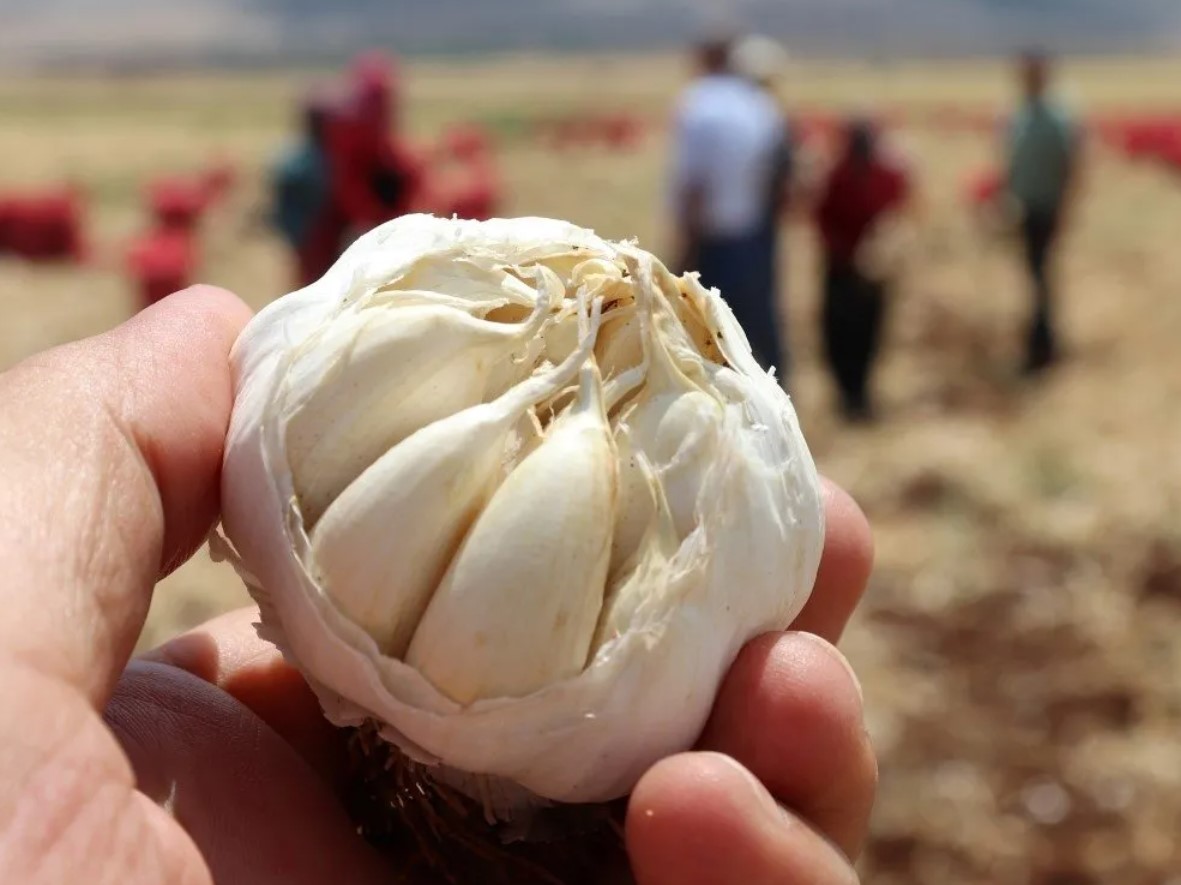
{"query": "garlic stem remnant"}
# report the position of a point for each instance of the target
(518, 495)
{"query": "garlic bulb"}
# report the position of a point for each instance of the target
(517, 495)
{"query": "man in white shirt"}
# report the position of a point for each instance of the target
(728, 148)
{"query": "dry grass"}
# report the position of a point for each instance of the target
(1018, 644)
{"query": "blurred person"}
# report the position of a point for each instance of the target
(160, 262)
(622, 132)
(46, 225)
(166, 257)
(302, 187)
(177, 203)
(857, 204)
(209, 760)
(219, 179)
(728, 137)
(465, 162)
(1042, 149)
(761, 60)
(376, 176)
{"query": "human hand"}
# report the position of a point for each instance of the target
(208, 759)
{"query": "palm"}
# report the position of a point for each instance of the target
(259, 804)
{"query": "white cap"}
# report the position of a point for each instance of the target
(758, 58)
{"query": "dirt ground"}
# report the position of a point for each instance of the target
(1018, 645)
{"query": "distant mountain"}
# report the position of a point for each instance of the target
(278, 31)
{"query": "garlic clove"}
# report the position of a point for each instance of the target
(620, 348)
(594, 268)
(680, 434)
(561, 337)
(639, 578)
(392, 373)
(673, 424)
(383, 546)
(464, 278)
(519, 606)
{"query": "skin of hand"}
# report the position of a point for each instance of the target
(208, 760)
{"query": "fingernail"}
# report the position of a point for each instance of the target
(833, 652)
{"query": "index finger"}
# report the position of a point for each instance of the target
(110, 452)
(845, 566)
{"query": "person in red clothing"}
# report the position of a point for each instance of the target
(165, 258)
(862, 191)
(375, 177)
(473, 190)
(161, 262)
(177, 204)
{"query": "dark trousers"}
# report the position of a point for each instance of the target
(743, 270)
(852, 319)
(1039, 233)
(769, 267)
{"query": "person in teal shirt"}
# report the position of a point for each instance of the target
(1043, 147)
(301, 191)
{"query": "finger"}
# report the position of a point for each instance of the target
(227, 652)
(224, 644)
(255, 811)
(790, 710)
(110, 452)
(845, 566)
(67, 789)
(701, 819)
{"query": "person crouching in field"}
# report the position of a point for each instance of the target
(376, 175)
(301, 184)
(858, 205)
(1042, 148)
(728, 134)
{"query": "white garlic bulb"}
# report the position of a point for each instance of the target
(517, 495)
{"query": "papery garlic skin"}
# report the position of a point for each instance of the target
(658, 415)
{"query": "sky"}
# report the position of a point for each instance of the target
(270, 31)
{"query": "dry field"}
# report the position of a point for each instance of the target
(1020, 645)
